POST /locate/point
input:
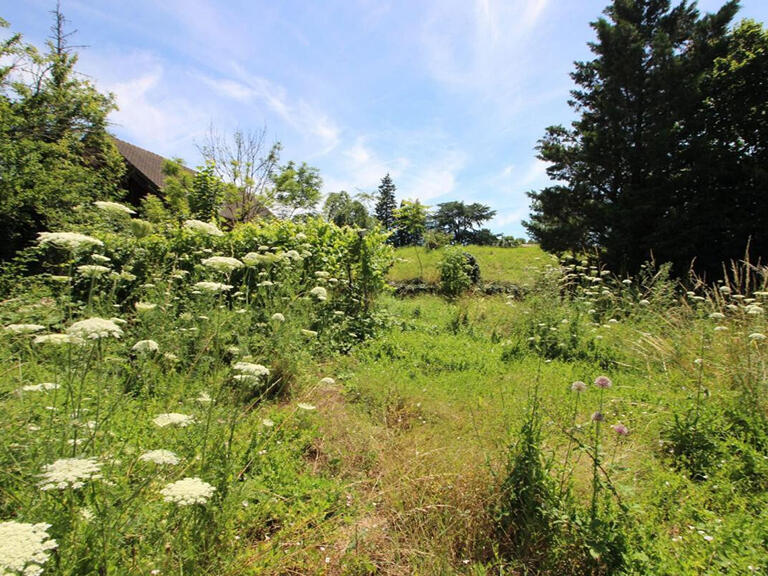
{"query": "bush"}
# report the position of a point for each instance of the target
(434, 240)
(457, 272)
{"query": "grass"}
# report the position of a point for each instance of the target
(512, 265)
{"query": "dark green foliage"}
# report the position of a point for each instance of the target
(458, 272)
(343, 210)
(297, 188)
(55, 154)
(386, 204)
(461, 221)
(666, 154)
(410, 223)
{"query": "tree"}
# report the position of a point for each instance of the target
(655, 164)
(297, 188)
(246, 162)
(55, 153)
(386, 204)
(460, 220)
(410, 223)
(343, 210)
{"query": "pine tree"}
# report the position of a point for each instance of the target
(629, 168)
(386, 204)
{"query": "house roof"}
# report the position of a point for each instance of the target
(146, 162)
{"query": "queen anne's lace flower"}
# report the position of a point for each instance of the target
(24, 328)
(95, 328)
(58, 339)
(24, 548)
(40, 387)
(213, 286)
(251, 369)
(203, 227)
(277, 317)
(319, 293)
(93, 270)
(188, 491)
(69, 240)
(114, 207)
(144, 306)
(173, 419)
(223, 264)
(327, 381)
(145, 347)
(161, 457)
(69, 473)
(306, 406)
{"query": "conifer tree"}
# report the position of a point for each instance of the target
(386, 204)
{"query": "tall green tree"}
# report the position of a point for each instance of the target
(55, 154)
(410, 223)
(297, 188)
(461, 221)
(386, 204)
(344, 210)
(643, 169)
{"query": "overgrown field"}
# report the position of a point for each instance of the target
(279, 414)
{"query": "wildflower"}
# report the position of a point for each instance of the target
(267, 422)
(626, 282)
(265, 284)
(725, 290)
(58, 339)
(204, 398)
(328, 381)
(114, 207)
(203, 228)
(69, 240)
(223, 264)
(173, 419)
(24, 548)
(620, 429)
(69, 473)
(277, 317)
(319, 293)
(251, 369)
(24, 328)
(757, 336)
(322, 274)
(305, 406)
(161, 457)
(93, 270)
(213, 287)
(578, 386)
(717, 316)
(644, 302)
(603, 382)
(101, 258)
(720, 328)
(598, 417)
(95, 328)
(145, 347)
(292, 255)
(40, 387)
(308, 333)
(755, 310)
(188, 491)
(301, 237)
(144, 307)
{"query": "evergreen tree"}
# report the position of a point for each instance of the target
(634, 170)
(386, 204)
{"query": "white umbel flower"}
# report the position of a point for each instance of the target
(69, 240)
(213, 287)
(40, 387)
(24, 328)
(223, 264)
(144, 306)
(145, 347)
(114, 207)
(58, 339)
(173, 419)
(306, 406)
(319, 293)
(69, 473)
(93, 270)
(95, 328)
(277, 317)
(24, 548)
(327, 381)
(251, 369)
(188, 491)
(203, 227)
(161, 457)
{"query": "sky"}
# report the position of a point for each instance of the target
(447, 96)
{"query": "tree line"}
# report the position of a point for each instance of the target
(668, 155)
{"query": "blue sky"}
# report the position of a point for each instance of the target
(448, 96)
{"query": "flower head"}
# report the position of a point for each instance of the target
(578, 386)
(24, 548)
(114, 207)
(144, 306)
(327, 381)
(161, 457)
(319, 293)
(277, 317)
(603, 382)
(145, 347)
(213, 287)
(95, 328)
(69, 240)
(58, 339)
(173, 419)
(620, 429)
(188, 491)
(24, 328)
(757, 336)
(93, 270)
(223, 264)
(69, 473)
(598, 417)
(306, 406)
(40, 387)
(203, 228)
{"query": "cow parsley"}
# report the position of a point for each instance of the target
(223, 264)
(58, 339)
(69, 473)
(24, 548)
(95, 329)
(113, 207)
(161, 457)
(319, 293)
(173, 419)
(203, 227)
(145, 347)
(69, 240)
(188, 491)
(24, 328)
(213, 287)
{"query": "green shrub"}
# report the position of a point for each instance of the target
(456, 272)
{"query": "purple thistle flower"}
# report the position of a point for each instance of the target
(603, 382)
(620, 429)
(578, 386)
(598, 417)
